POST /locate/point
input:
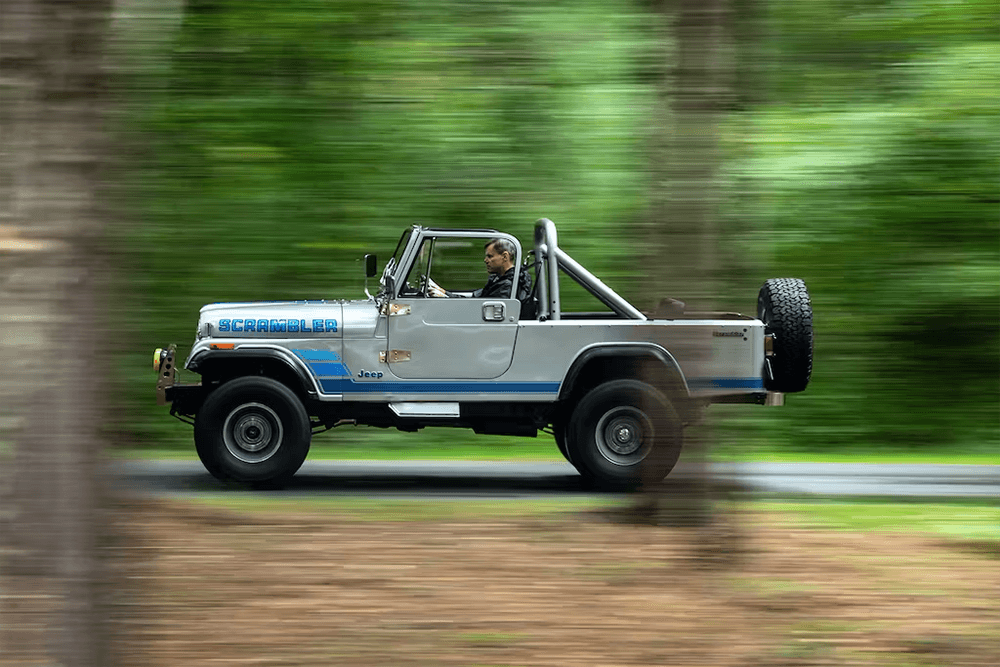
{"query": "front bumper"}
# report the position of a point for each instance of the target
(164, 364)
(184, 399)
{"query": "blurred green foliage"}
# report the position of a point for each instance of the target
(270, 145)
(874, 174)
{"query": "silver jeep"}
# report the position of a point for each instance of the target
(614, 386)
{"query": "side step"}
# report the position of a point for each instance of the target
(425, 409)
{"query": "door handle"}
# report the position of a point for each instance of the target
(493, 311)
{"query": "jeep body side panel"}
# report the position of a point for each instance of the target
(716, 357)
(487, 361)
(337, 368)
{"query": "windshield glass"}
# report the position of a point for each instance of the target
(396, 256)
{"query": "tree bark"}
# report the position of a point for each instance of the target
(51, 64)
(682, 229)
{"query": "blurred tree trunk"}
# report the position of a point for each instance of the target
(752, 45)
(51, 65)
(682, 230)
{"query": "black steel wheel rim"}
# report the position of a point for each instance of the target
(252, 432)
(624, 435)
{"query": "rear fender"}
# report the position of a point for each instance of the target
(594, 365)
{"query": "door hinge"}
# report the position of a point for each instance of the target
(394, 356)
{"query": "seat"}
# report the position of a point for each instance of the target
(529, 301)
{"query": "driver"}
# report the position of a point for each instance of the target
(500, 258)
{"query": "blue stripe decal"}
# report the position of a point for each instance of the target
(350, 386)
(317, 355)
(329, 369)
(726, 383)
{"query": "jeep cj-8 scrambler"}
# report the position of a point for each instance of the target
(613, 386)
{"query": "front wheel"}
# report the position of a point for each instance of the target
(623, 433)
(252, 429)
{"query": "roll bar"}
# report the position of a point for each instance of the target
(552, 259)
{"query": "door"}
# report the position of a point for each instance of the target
(458, 336)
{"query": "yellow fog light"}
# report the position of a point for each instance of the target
(157, 359)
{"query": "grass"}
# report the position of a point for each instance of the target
(322, 452)
(879, 456)
(411, 447)
(974, 520)
(967, 519)
(368, 509)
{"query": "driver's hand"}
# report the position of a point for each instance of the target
(434, 289)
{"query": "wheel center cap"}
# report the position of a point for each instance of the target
(623, 435)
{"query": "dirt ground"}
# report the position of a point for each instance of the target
(204, 586)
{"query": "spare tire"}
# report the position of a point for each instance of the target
(784, 307)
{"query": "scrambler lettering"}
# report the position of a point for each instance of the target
(264, 326)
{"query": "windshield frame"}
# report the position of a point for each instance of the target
(398, 252)
(393, 262)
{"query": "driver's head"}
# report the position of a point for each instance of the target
(500, 256)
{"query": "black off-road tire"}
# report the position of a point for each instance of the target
(253, 430)
(784, 307)
(559, 430)
(624, 433)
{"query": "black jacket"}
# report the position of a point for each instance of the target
(498, 287)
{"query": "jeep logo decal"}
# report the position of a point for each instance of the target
(370, 374)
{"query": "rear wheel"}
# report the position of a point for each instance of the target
(783, 305)
(624, 432)
(252, 429)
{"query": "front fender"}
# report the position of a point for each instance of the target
(201, 359)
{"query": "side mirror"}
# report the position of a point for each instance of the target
(371, 266)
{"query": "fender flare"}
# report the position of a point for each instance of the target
(275, 353)
(636, 350)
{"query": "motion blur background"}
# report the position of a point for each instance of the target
(260, 149)
(157, 155)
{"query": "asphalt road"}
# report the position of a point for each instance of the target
(498, 480)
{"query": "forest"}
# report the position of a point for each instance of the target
(264, 148)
